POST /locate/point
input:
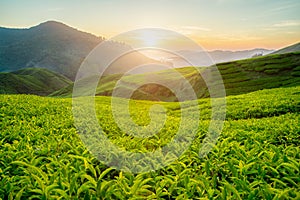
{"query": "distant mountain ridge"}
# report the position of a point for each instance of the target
(57, 47)
(52, 45)
(216, 56)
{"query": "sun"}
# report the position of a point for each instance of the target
(149, 38)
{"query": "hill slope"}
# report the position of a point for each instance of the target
(32, 81)
(239, 77)
(289, 49)
(50, 45)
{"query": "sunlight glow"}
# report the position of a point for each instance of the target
(149, 38)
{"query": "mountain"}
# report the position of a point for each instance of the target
(32, 81)
(217, 56)
(289, 49)
(50, 45)
(57, 47)
(243, 76)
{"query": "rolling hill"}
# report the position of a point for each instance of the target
(289, 49)
(243, 76)
(32, 81)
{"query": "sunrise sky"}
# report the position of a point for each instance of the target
(214, 24)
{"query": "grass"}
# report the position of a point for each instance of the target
(256, 156)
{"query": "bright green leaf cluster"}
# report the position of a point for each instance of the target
(256, 157)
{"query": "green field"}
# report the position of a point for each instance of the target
(257, 155)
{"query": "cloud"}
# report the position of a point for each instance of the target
(270, 29)
(237, 37)
(283, 6)
(287, 24)
(191, 30)
(195, 28)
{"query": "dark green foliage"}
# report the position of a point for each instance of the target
(296, 73)
(271, 71)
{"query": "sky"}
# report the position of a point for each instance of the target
(213, 24)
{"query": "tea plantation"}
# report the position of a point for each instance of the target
(257, 155)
